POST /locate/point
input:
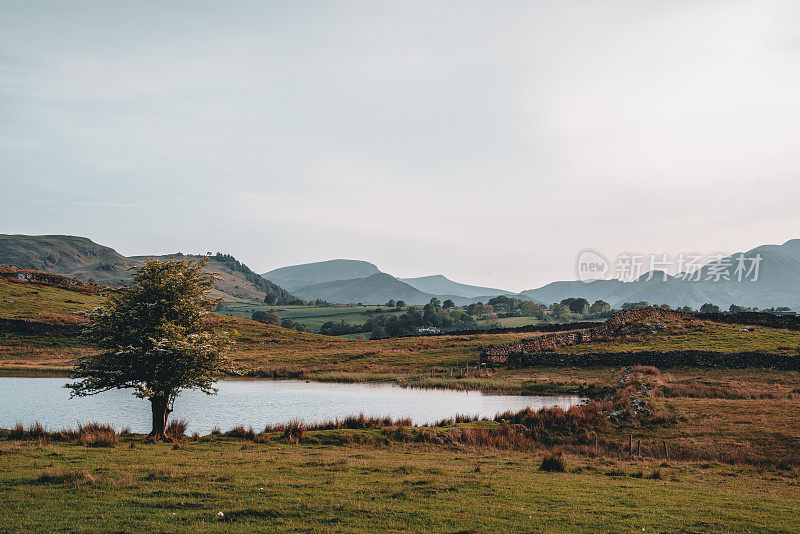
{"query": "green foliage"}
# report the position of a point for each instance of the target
(560, 311)
(576, 305)
(431, 315)
(709, 308)
(600, 306)
(505, 306)
(156, 342)
(289, 323)
(266, 317)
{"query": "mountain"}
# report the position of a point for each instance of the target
(557, 291)
(374, 289)
(297, 276)
(237, 281)
(82, 258)
(776, 283)
(78, 257)
(439, 284)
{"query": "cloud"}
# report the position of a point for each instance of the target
(491, 144)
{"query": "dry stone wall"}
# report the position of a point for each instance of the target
(501, 354)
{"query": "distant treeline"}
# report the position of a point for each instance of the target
(447, 317)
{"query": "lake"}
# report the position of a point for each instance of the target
(253, 403)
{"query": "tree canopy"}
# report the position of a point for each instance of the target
(155, 339)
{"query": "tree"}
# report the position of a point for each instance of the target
(401, 304)
(709, 308)
(156, 342)
(436, 302)
(266, 317)
(560, 311)
(448, 304)
(391, 303)
(600, 306)
(576, 305)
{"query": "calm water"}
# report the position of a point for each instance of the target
(250, 402)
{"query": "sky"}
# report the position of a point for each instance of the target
(487, 141)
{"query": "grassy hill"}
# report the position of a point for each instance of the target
(439, 284)
(74, 256)
(296, 276)
(81, 258)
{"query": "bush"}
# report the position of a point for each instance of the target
(295, 431)
(96, 435)
(177, 428)
(553, 463)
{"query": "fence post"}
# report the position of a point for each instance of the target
(639, 448)
(666, 453)
(630, 446)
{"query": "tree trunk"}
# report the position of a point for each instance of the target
(160, 408)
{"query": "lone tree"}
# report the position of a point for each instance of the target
(156, 341)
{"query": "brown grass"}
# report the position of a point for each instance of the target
(96, 435)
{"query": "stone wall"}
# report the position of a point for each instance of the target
(500, 354)
(21, 326)
(790, 322)
(661, 359)
(12, 273)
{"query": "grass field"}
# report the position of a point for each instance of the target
(43, 303)
(313, 317)
(683, 334)
(733, 438)
(368, 488)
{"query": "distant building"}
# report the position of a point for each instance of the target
(428, 330)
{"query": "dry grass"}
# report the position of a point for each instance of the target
(176, 428)
(96, 435)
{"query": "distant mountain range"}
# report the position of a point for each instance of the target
(776, 283)
(353, 281)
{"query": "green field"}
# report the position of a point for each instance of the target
(696, 334)
(43, 303)
(369, 488)
(313, 317)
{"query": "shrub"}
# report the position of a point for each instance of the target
(96, 435)
(240, 432)
(74, 477)
(553, 463)
(177, 428)
(295, 431)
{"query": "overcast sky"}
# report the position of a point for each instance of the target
(487, 141)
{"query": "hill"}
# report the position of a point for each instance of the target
(439, 284)
(296, 276)
(353, 281)
(373, 289)
(238, 282)
(775, 285)
(82, 258)
(74, 256)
